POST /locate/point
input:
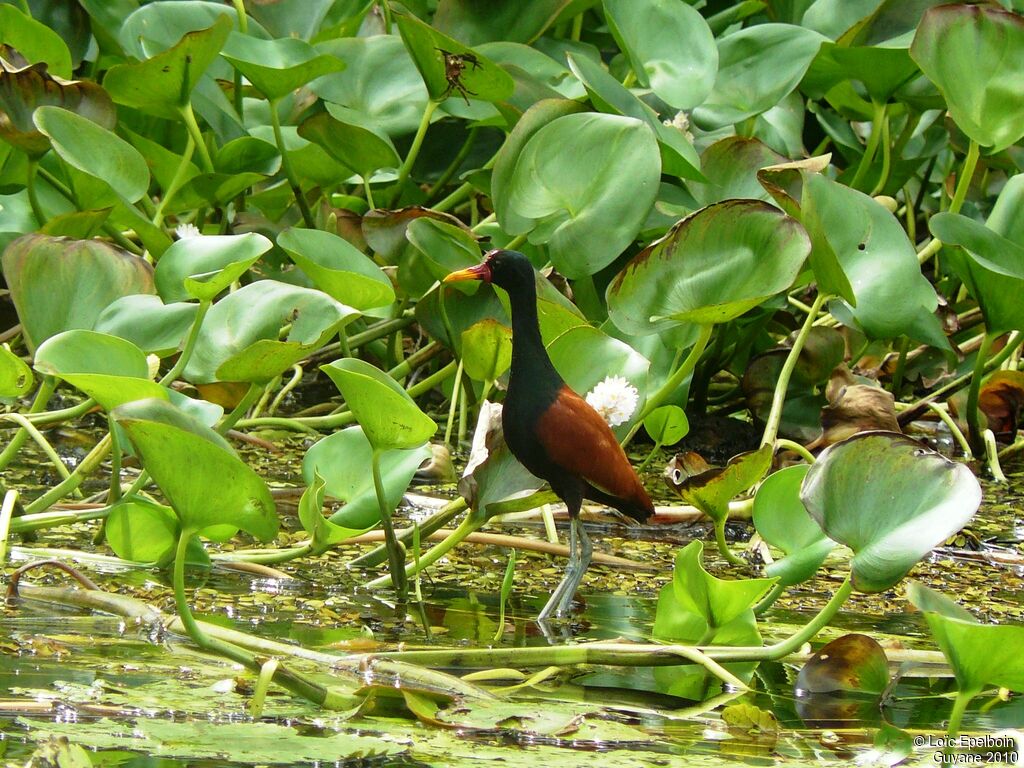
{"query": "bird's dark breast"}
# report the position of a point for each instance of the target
(518, 419)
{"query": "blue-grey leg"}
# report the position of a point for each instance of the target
(580, 557)
(555, 601)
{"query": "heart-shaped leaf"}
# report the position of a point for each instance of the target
(192, 464)
(587, 206)
(15, 376)
(337, 268)
(971, 53)
(95, 150)
(667, 424)
(277, 67)
(710, 489)
(323, 532)
(351, 140)
(156, 328)
(486, 349)
(850, 664)
(890, 500)
(141, 531)
(713, 266)
(59, 284)
(669, 46)
(202, 267)
(388, 416)
(782, 520)
(344, 461)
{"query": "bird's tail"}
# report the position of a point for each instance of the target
(638, 506)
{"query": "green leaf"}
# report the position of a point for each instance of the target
(16, 377)
(277, 67)
(141, 531)
(782, 520)
(980, 654)
(480, 77)
(192, 464)
(890, 500)
(94, 150)
(486, 349)
(989, 250)
(35, 41)
(343, 460)
(882, 70)
(510, 20)
(667, 424)
(323, 532)
(757, 67)
(202, 267)
(444, 247)
(351, 140)
(711, 490)
(669, 47)
(384, 410)
(156, 328)
(713, 266)
(60, 284)
(337, 268)
(852, 663)
(162, 85)
(972, 54)
(239, 340)
(587, 205)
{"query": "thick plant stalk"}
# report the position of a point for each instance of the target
(396, 551)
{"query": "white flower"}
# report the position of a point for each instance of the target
(185, 231)
(615, 399)
(681, 122)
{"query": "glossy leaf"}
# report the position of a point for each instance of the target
(343, 461)
(240, 341)
(889, 499)
(512, 20)
(667, 424)
(852, 663)
(60, 284)
(388, 416)
(35, 41)
(143, 319)
(142, 532)
(882, 70)
(710, 489)
(94, 150)
(355, 143)
(192, 464)
(971, 53)
(277, 67)
(337, 268)
(713, 266)
(162, 84)
(782, 520)
(16, 377)
(444, 247)
(202, 267)
(669, 47)
(486, 350)
(323, 533)
(587, 205)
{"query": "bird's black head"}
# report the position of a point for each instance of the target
(510, 270)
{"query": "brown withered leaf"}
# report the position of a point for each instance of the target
(1001, 399)
(855, 408)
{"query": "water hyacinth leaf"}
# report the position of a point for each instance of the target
(882, 70)
(782, 520)
(141, 531)
(716, 603)
(588, 205)
(987, 248)
(355, 143)
(710, 489)
(78, 225)
(193, 464)
(670, 48)
(277, 67)
(59, 284)
(388, 416)
(731, 166)
(445, 247)
(338, 268)
(202, 267)
(16, 377)
(248, 154)
(667, 424)
(852, 663)
(163, 84)
(143, 319)
(239, 340)
(323, 533)
(385, 231)
(892, 297)
(343, 460)
(980, 654)
(95, 150)
(24, 89)
(757, 67)
(478, 76)
(212, 189)
(713, 266)
(486, 349)
(501, 20)
(890, 500)
(35, 41)
(968, 52)
(380, 82)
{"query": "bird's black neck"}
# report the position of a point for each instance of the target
(531, 367)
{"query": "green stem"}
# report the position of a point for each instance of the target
(114, 494)
(771, 427)
(992, 456)
(901, 367)
(966, 174)
(243, 27)
(886, 158)
(369, 193)
(461, 193)
(468, 525)
(92, 460)
(192, 126)
(963, 698)
(872, 146)
(673, 381)
(396, 552)
(414, 150)
(954, 430)
(973, 396)
(190, 345)
(176, 181)
(723, 545)
(454, 165)
(456, 392)
(250, 397)
(768, 600)
(46, 388)
(289, 171)
(435, 522)
(293, 382)
(33, 197)
(6, 513)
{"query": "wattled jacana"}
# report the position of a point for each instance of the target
(553, 431)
